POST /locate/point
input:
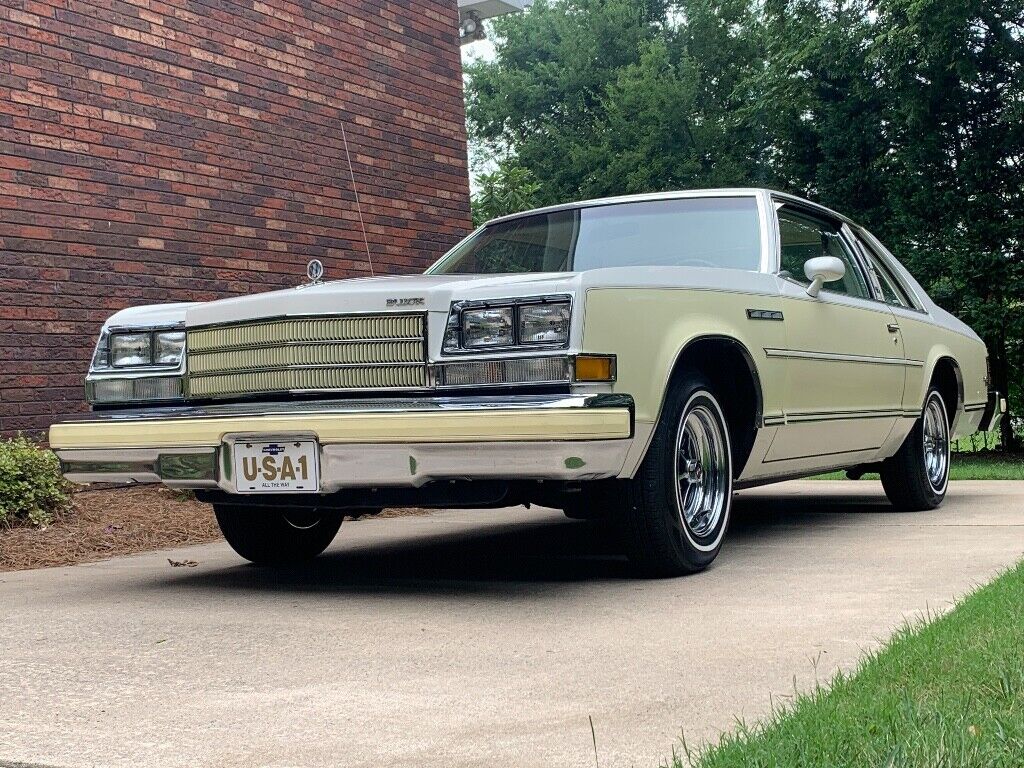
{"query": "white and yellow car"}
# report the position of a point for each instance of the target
(636, 358)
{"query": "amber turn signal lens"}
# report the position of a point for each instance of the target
(595, 368)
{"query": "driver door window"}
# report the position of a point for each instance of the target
(803, 238)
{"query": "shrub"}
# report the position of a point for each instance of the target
(31, 487)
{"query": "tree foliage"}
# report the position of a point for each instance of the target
(509, 189)
(906, 114)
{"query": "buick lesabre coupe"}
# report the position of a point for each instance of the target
(636, 359)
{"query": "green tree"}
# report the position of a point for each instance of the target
(906, 114)
(509, 189)
(542, 99)
(953, 76)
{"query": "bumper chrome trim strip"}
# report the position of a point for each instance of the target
(436, 420)
(365, 465)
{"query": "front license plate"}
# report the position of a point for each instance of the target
(286, 466)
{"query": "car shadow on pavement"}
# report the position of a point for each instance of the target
(756, 514)
(548, 551)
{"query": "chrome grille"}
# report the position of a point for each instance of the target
(353, 352)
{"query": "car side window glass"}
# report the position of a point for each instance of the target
(804, 237)
(892, 291)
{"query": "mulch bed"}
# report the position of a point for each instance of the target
(108, 523)
(120, 521)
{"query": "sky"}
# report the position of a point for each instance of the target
(482, 49)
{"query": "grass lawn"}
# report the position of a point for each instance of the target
(946, 694)
(983, 465)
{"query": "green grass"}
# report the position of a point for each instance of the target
(983, 465)
(945, 694)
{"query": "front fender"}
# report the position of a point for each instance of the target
(649, 328)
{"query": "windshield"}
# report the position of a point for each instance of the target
(719, 232)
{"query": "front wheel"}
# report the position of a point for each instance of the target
(678, 506)
(916, 478)
(277, 537)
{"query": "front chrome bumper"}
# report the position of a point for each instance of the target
(363, 443)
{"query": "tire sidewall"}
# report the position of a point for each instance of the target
(690, 393)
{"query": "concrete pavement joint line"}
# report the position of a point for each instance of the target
(8, 764)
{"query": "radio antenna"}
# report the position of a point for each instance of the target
(355, 189)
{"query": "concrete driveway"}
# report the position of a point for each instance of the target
(473, 638)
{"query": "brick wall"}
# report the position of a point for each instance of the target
(170, 150)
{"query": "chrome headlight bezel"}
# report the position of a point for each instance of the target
(455, 337)
(145, 379)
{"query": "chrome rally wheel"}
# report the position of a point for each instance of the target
(935, 443)
(702, 469)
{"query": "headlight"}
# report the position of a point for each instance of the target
(543, 321)
(139, 365)
(168, 347)
(140, 348)
(488, 328)
(544, 324)
(131, 349)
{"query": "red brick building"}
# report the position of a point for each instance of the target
(174, 150)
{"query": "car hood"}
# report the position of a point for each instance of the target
(433, 293)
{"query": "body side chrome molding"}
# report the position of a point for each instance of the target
(837, 357)
(807, 416)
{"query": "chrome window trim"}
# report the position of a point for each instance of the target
(887, 259)
(817, 212)
(652, 197)
(761, 198)
(866, 256)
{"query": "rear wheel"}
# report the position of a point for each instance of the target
(916, 478)
(677, 508)
(277, 537)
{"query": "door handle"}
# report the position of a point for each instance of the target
(893, 327)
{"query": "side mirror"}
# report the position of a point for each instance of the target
(821, 270)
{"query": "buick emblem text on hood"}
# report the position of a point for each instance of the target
(417, 301)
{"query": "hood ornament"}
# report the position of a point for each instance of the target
(315, 272)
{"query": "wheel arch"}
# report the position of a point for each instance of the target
(946, 376)
(717, 356)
